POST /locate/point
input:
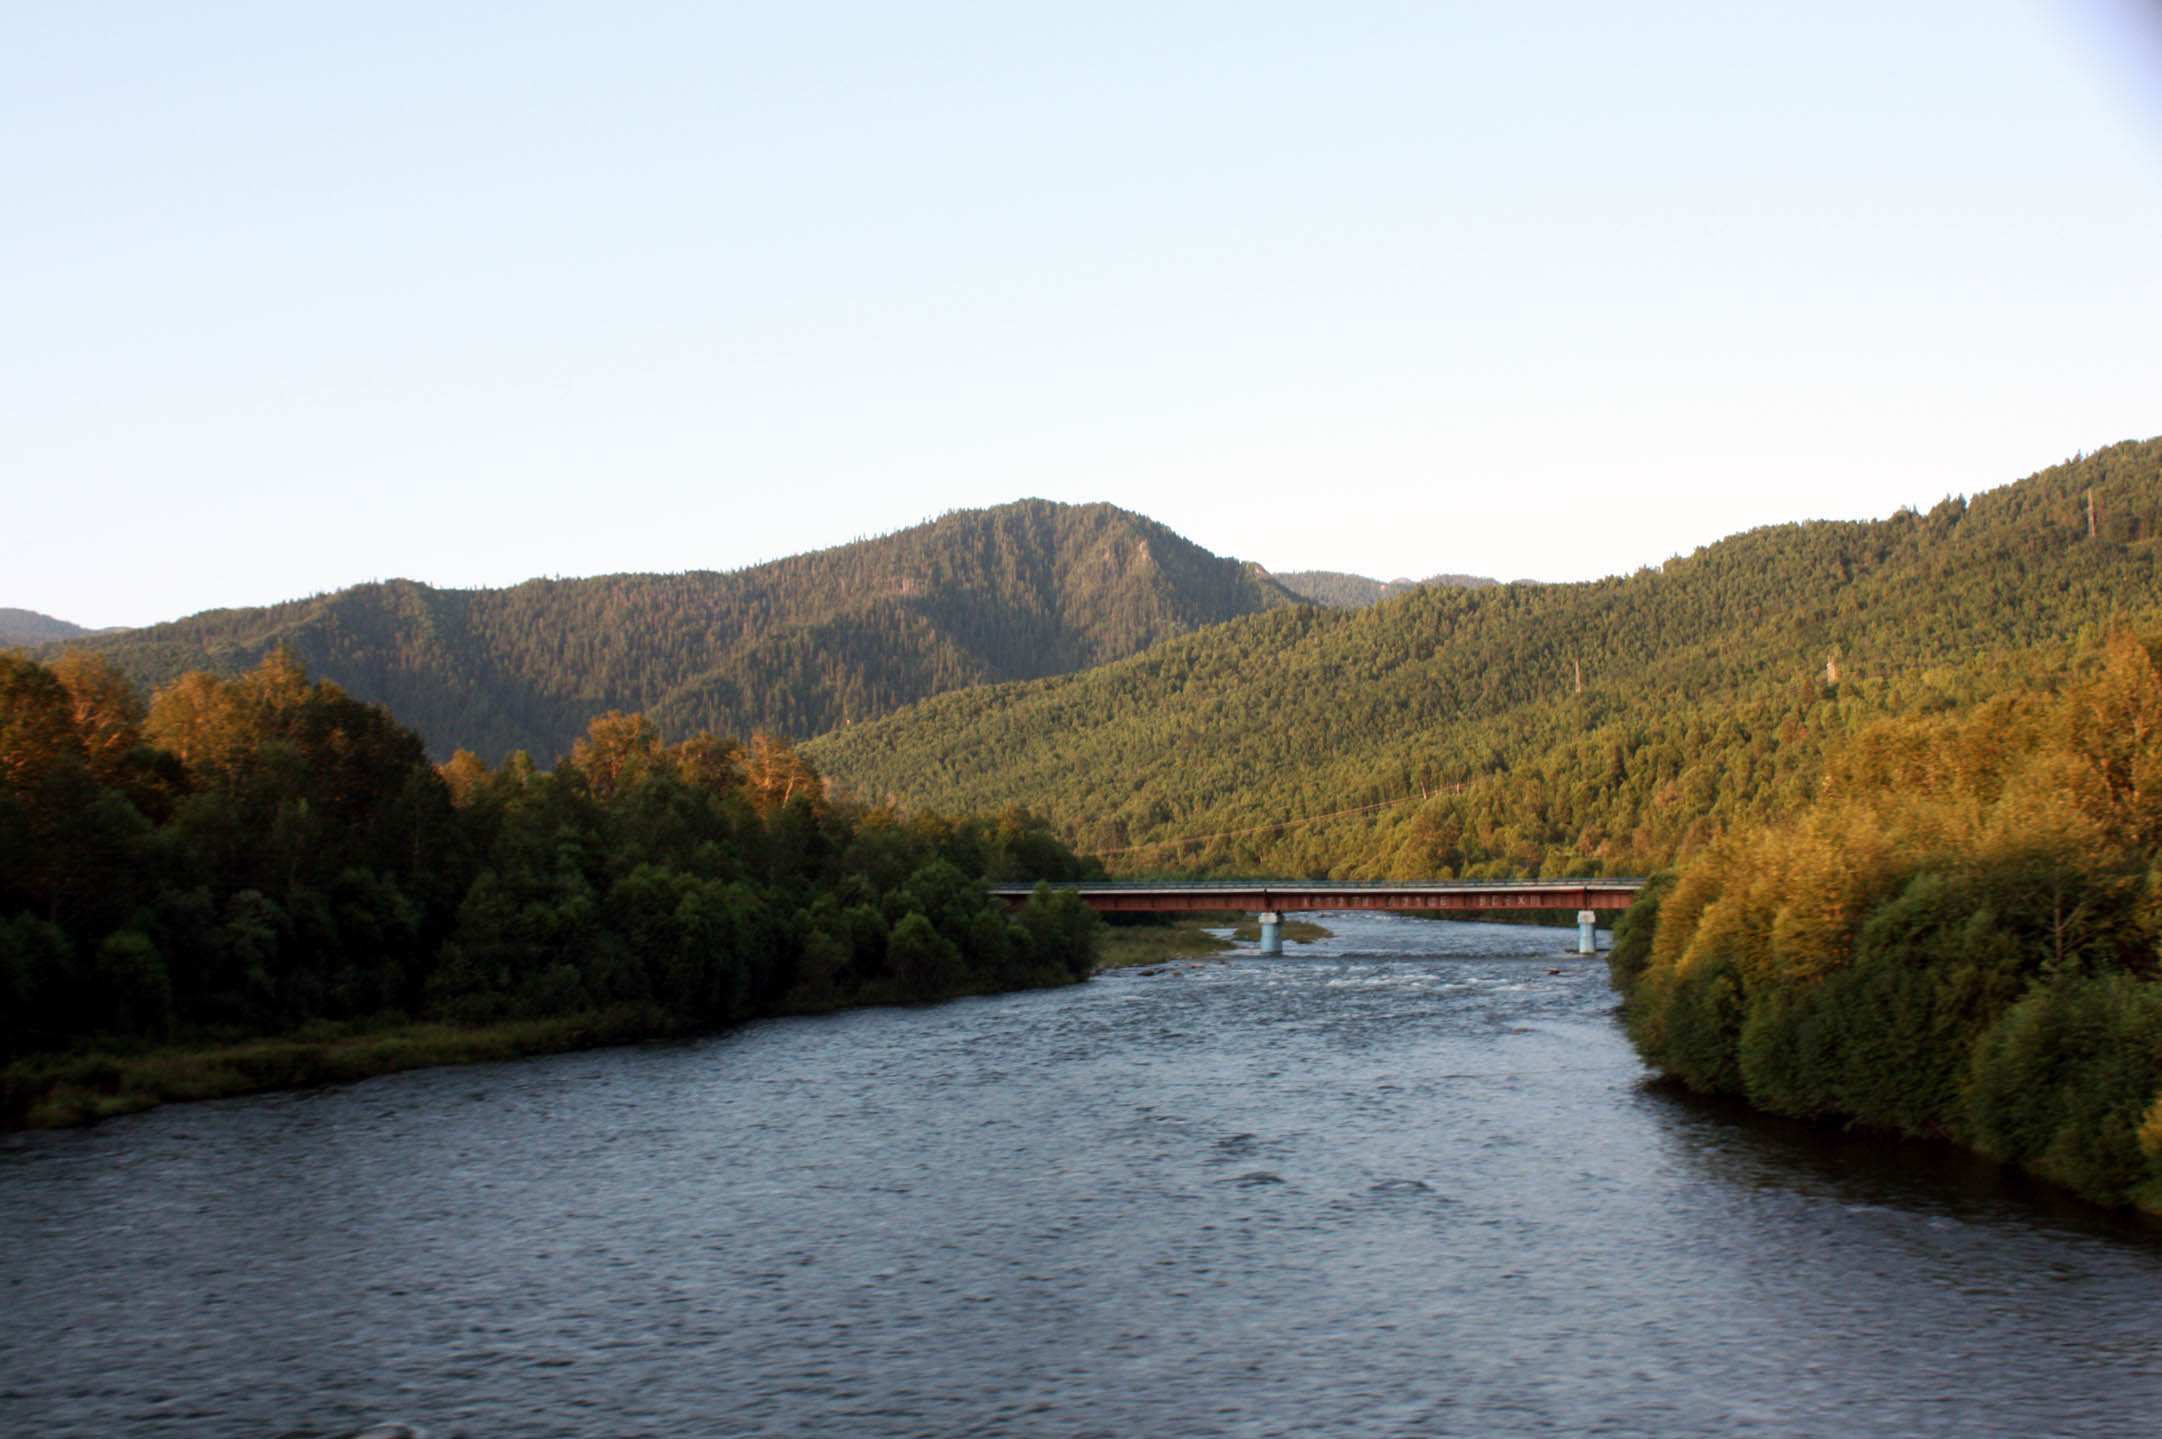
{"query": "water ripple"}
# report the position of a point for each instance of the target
(1407, 1181)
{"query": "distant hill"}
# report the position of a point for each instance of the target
(1610, 725)
(28, 627)
(1351, 592)
(801, 645)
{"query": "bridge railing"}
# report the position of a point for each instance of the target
(1267, 895)
(1348, 886)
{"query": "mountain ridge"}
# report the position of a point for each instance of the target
(19, 627)
(1609, 725)
(798, 645)
(1340, 590)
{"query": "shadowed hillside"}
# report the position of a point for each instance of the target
(801, 645)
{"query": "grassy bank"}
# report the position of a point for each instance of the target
(1188, 937)
(53, 1091)
(101, 1081)
(1129, 945)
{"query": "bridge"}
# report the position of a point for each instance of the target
(1273, 898)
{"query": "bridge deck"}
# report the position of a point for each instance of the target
(1282, 895)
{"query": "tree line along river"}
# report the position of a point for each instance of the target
(1408, 1180)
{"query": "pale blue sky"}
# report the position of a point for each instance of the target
(469, 294)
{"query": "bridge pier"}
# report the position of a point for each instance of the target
(1272, 932)
(1587, 931)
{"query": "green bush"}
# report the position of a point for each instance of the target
(925, 962)
(1633, 930)
(2063, 1081)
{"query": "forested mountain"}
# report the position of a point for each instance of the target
(1351, 592)
(28, 627)
(799, 646)
(1611, 726)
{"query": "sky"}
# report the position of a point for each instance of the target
(296, 297)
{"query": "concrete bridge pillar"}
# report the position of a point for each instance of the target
(1272, 932)
(1587, 931)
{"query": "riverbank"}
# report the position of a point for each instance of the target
(1188, 937)
(60, 1091)
(55, 1091)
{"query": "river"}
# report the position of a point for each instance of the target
(1406, 1181)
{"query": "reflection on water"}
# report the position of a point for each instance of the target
(1737, 1145)
(1409, 1180)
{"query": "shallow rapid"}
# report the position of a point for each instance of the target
(1406, 1181)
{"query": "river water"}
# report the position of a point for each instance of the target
(1406, 1181)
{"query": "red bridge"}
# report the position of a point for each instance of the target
(1274, 897)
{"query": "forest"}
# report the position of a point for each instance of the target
(1613, 727)
(266, 854)
(1958, 937)
(799, 646)
(1351, 592)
